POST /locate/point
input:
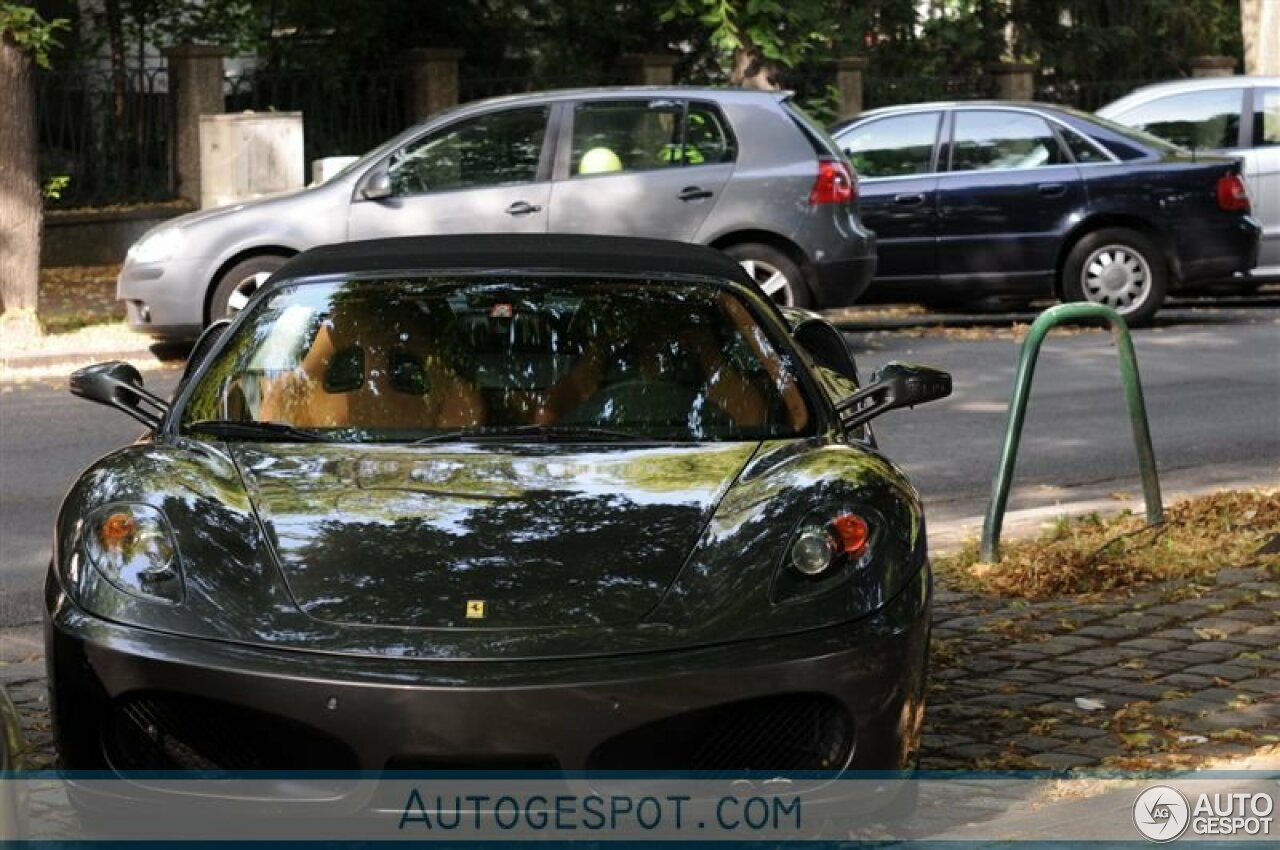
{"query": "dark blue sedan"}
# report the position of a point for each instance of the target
(1022, 201)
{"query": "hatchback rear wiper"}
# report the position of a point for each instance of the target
(249, 429)
(543, 433)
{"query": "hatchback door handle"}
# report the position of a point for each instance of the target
(694, 193)
(911, 199)
(1052, 190)
(523, 208)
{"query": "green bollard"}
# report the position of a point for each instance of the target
(990, 551)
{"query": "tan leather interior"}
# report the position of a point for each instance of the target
(302, 398)
(371, 369)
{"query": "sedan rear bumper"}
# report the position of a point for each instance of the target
(126, 699)
(1218, 253)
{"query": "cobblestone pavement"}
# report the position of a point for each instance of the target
(1170, 676)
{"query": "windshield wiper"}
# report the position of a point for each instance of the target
(543, 433)
(254, 430)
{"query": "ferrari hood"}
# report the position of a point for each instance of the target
(499, 536)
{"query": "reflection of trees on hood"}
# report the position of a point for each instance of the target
(545, 559)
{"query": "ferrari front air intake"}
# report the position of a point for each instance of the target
(796, 732)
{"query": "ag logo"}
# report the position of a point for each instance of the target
(1161, 813)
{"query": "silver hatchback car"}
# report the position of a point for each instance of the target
(743, 171)
(1235, 115)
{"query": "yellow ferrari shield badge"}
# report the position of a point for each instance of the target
(475, 609)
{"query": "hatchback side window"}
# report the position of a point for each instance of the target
(501, 148)
(1003, 140)
(708, 139)
(1266, 117)
(892, 147)
(1199, 119)
(631, 135)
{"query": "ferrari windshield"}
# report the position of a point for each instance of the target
(500, 357)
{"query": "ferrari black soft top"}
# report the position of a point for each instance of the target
(536, 252)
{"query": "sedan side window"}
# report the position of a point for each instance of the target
(891, 147)
(1081, 148)
(1266, 117)
(1200, 119)
(999, 139)
(501, 148)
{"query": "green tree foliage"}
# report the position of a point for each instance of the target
(550, 42)
(23, 26)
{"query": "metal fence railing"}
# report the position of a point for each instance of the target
(891, 91)
(344, 114)
(108, 133)
(477, 87)
(1088, 95)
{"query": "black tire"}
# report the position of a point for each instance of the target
(1138, 286)
(241, 278)
(762, 261)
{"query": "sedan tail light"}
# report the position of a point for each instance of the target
(1233, 195)
(834, 184)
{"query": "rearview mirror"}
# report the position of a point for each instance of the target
(118, 384)
(376, 185)
(892, 386)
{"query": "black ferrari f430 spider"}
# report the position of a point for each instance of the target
(533, 502)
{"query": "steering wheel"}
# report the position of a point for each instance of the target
(646, 403)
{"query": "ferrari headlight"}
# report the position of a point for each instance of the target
(813, 551)
(157, 246)
(816, 547)
(132, 547)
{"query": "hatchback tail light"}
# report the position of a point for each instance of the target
(834, 184)
(1233, 195)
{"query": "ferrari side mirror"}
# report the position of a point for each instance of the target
(118, 384)
(892, 386)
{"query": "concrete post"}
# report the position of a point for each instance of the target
(195, 85)
(1213, 66)
(849, 83)
(1260, 26)
(435, 79)
(1014, 80)
(649, 69)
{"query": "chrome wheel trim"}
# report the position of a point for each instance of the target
(1116, 276)
(771, 280)
(243, 291)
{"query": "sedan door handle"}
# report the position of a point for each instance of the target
(1052, 190)
(911, 199)
(694, 193)
(523, 208)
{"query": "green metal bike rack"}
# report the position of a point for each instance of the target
(990, 551)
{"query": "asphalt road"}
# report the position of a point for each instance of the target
(1212, 382)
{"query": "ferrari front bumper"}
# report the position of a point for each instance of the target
(127, 699)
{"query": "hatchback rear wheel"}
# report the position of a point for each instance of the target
(775, 272)
(1119, 268)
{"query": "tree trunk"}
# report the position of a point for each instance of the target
(20, 202)
(116, 45)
